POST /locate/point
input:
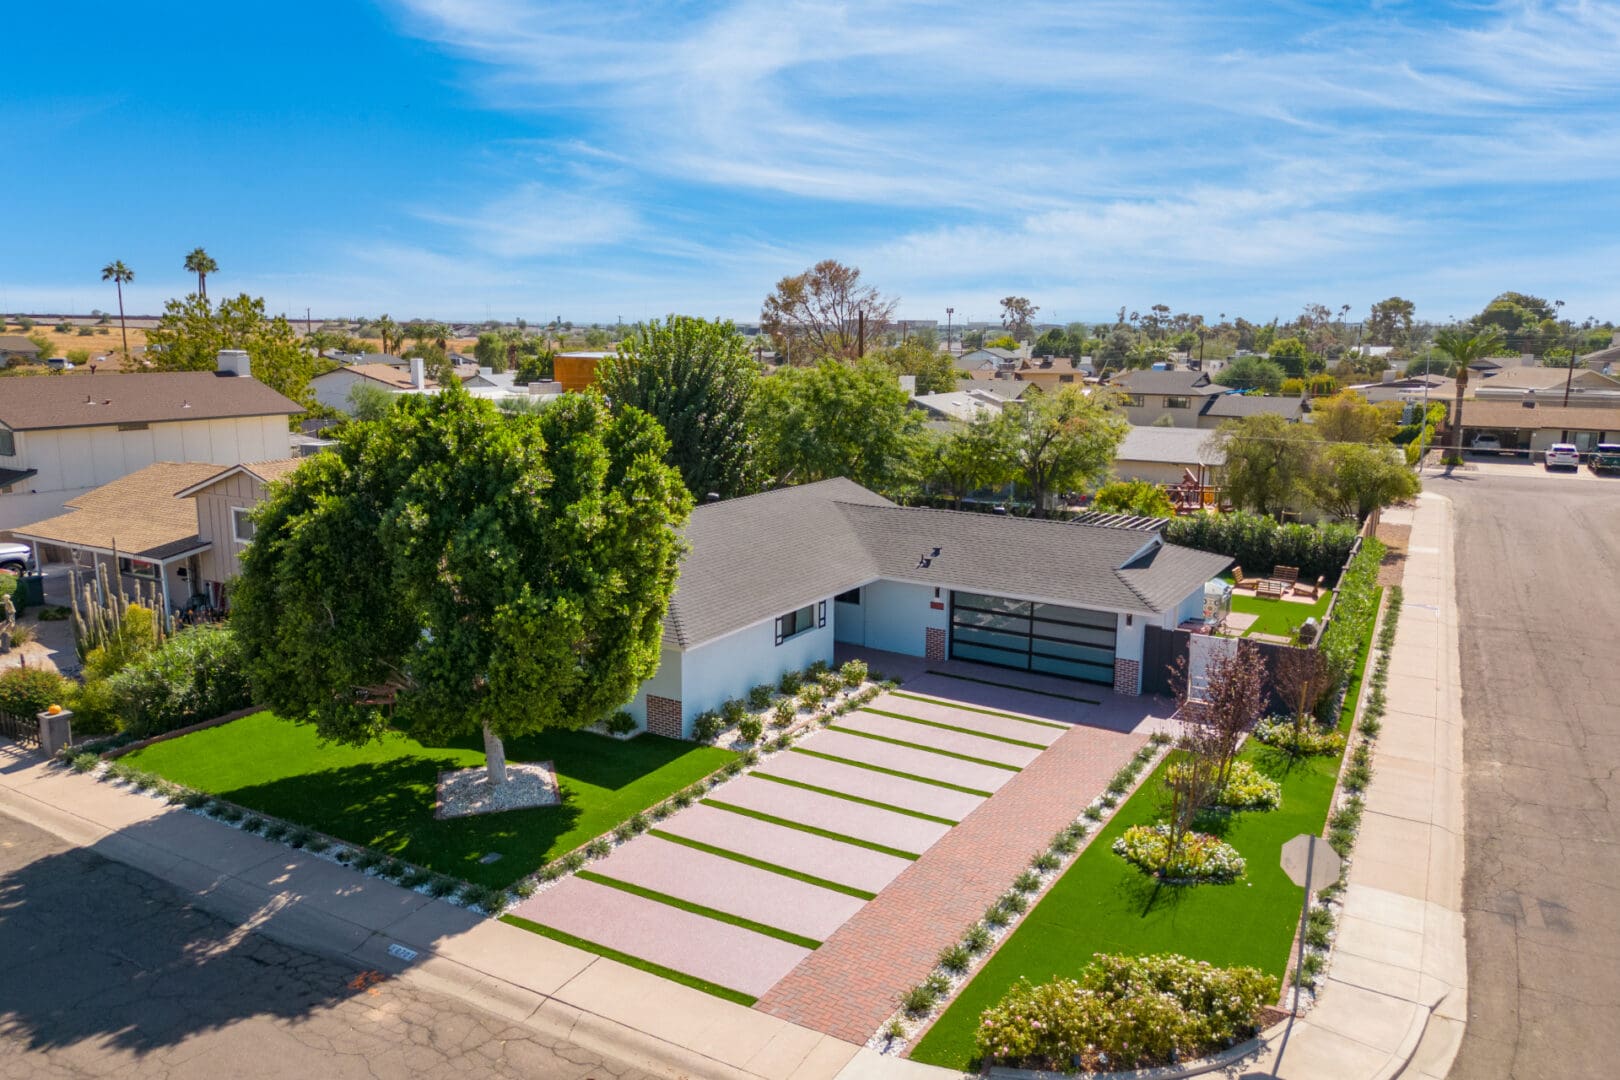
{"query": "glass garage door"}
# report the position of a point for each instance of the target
(1071, 642)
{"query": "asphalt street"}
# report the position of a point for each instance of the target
(105, 970)
(1538, 595)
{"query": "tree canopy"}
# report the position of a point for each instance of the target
(1270, 462)
(934, 370)
(1348, 417)
(834, 419)
(1137, 497)
(1062, 441)
(1354, 479)
(191, 332)
(503, 573)
(817, 313)
(1252, 373)
(696, 378)
(1017, 313)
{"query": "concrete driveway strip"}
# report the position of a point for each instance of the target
(718, 952)
(727, 885)
(955, 742)
(867, 784)
(898, 831)
(831, 860)
(1035, 731)
(905, 759)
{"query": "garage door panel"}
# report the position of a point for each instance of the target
(1072, 642)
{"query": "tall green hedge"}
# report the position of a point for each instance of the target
(1355, 609)
(194, 676)
(1259, 543)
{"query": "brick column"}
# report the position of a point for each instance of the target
(664, 717)
(1127, 677)
(933, 644)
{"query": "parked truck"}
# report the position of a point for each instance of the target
(1605, 458)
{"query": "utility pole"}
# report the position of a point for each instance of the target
(307, 322)
(948, 313)
(1569, 376)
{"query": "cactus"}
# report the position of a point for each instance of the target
(98, 613)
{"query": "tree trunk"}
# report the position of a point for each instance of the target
(494, 757)
(123, 327)
(1457, 413)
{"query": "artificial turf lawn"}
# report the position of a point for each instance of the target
(381, 795)
(1279, 617)
(1104, 904)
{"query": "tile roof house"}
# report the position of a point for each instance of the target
(771, 581)
(62, 436)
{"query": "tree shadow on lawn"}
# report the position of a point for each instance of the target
(389, 806)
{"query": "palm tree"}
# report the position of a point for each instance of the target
(1463, 349)
(386, 327)
(200, 263)
(117, 273)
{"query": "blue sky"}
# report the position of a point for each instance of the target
(494, 158)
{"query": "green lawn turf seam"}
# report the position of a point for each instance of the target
(1013, 686)
(974, 708)
(716, 914)
(890, 772)
(953, 727)
(381, 795)
(930, 749)
(772, 819)
(890, 807)
(761, 864)
(746, 1000)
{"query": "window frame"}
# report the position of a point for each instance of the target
(814, 620)
(1173, 401)
(237, 517)
(8, 442)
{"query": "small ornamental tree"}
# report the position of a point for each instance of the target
(481, 572)
(1302, 680)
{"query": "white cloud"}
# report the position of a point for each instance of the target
(537, 220)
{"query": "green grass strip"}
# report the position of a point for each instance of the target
(772, 819)
(761, 864)
(975, 708)
(1014, 686)
(698, 909)
(632, 961)
(854, 798)
(929, 749)
(869, 767)
(959, 730)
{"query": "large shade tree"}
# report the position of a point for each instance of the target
(696, 378)
(1062, 441)
(834, 419)
(822, 312)
(483, 572)
(1270, 462)
(192, 331)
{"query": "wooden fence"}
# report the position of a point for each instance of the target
(24, 729)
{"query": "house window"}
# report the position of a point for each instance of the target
(241, 524)
(140, 568)
(1177, 403)
(801, 621)
(8, 442)
(1065, 378)
(1135, 401)
(133, 427)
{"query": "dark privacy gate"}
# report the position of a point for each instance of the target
(1075, 643)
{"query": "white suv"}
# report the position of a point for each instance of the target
(16, 558)
(1563, 455)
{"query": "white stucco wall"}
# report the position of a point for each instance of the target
(666, 683)
(897, 613)
(849, 622)
(71, 461)
(1128, 639)
(729, 667)
(332, 389)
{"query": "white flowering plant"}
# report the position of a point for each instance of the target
(1199, 856)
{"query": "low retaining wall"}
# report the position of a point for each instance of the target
(120, 751)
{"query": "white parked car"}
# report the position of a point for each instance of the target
(16, 558)
(1563, 455)
(1486, 444)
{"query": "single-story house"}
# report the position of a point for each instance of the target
(963, 405)
(1166, 455)
(771, 582)
(1148, 395)
(986, 359)
(1408, 388)
(1534, 426)
(17, 347)
(1219, 408)
(332, 388)
(65, 436)
(1586, 386)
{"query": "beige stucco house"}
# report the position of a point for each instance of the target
(223, 501)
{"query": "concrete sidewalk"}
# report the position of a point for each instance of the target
(308, 902)
(1395, 996)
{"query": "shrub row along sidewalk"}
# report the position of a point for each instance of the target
(1105, 905)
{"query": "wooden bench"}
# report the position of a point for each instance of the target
(1272, 587)
(1241, 582)
(1312, 591)
(1286, 574)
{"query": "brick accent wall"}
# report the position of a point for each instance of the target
(1127, 679)
(664, 716)
(933, 644)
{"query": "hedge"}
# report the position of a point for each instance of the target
(27, 692)
(1259, 543)
(196, 675)
(1354, 611)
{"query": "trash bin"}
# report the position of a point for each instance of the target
(30, 591)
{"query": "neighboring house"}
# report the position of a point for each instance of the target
(1604, 361)
(1534, 426)
(1149, 395)
(986, 360)
(1586, 386)
(138, 524)
(1406, 389)
(332, 388)
(221, 513)
(17, 347)
(577, 370)
(963, 405)
(1218, 409)
(62, 437)
(771, 581)
(1166, 455)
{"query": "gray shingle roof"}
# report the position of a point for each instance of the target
(1169, 445)
(755, 558)
(94, 400)
(1148, 381)
(1230, 405)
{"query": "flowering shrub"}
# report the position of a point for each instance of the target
(1139, 1010)
(1303, 741)
(1201, 857)
(1247, 788)
(853, 673)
